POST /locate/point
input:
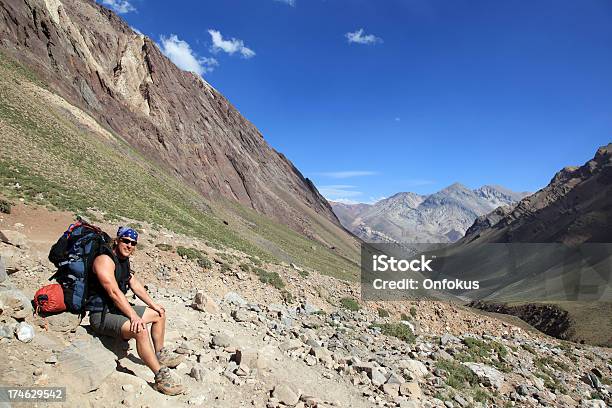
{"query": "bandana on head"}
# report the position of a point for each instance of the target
(127, 232)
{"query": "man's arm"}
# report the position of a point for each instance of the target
(139, 290)
(104, 268)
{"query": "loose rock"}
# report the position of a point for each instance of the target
(24, 332)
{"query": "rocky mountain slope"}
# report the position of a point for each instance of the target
(94, 60)
(95, 120)
(408, 217)
(575, 207)
(305, 342)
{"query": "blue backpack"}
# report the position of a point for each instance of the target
(73, 254)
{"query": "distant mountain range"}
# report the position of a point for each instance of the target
(439, 217)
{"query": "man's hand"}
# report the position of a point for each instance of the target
(159, 309)
(137, 324)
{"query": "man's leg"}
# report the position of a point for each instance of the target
(158, 327)
(143, 346)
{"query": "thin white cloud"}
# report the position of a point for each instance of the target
(119, 6)
(398, 119)
(230, 46)
(358, 37)
(346, 194)
(347, 174)
(338, 192)
(288, 2)
(184, 57)
(344, 201)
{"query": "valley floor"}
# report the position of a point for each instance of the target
(296, 344)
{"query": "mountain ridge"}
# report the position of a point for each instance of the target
(126, 83)
(573, 207)
(443, 216)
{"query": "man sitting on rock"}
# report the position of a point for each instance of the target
(112, 315)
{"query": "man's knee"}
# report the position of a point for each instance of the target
(151, 316)
(127, 334)
(142, 335)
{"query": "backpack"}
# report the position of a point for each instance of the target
(73, 254)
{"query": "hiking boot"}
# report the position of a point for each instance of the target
(166, 383)
(169, 358)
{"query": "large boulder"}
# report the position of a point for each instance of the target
(86, 363)
(205, 303)
(415, 368)
(61, 323)
(285, 394)
(15, 303)
(14, 238)
(234, 298)
(251, 357)
(487, 375)
(10, 258)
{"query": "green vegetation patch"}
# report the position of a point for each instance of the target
(481, 395)
(5, 207)
(194, 254)
(399, 330)
(271, 278)
(545, 369)
(164, 247)
(413, 312)
(228, 257)
(543, 362)
(481, 351)
(529, 349)
(550, 381)
(458, 375)
(382, 312)
(350, 304)
(255, 261)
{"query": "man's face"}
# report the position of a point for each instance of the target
(125, 247)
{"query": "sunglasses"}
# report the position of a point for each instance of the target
(128, 241)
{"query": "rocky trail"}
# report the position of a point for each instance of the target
(264, 334)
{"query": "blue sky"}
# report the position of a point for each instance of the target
(372, 97)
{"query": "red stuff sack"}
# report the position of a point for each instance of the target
(50, 299)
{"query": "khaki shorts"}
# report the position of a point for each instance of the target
(113, 321)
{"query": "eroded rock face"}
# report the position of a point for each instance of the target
(94, 60)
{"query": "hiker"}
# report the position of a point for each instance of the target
(111, 314)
